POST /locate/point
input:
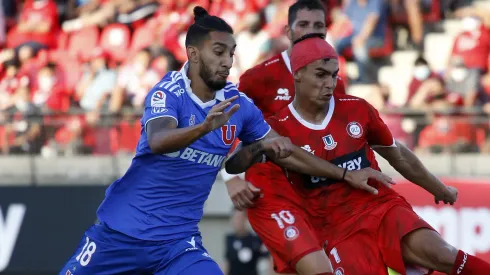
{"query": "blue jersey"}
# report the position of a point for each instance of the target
(161, 196)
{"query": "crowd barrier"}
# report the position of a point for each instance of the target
(40, 226)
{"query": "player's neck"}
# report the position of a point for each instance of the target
(309, 112)
(199, 87)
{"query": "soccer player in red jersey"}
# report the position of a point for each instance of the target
(364, 233)
(270, 84)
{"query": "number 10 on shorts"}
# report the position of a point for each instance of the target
(282, 217)
(87, 251)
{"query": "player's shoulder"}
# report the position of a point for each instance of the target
(231, 90)
(282, 116)
(353, 104)
(263, 68)
(349, 101)
(171, 85)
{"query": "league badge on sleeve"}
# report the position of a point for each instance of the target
(158, 99)
(354, 129)
(158, 102)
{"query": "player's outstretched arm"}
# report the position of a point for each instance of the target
(164, 136)
(282, 152)
(408, 165)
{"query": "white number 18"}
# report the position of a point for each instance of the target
(87, 251)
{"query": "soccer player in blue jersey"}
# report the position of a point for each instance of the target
(148, 221)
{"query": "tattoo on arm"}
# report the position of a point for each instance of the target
(244, 158)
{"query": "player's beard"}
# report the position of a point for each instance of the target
(207, 76)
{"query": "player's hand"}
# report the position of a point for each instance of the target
(277, 147)
(242, 193)
(449, 195)
(217, 116)
(359, 179)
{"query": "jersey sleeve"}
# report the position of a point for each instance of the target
(160, 103)
(249, 84)
(378, 134)
(254, 125)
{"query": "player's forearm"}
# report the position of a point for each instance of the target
(306, 163)
(172, 140)
(410, 167)
(243, 158)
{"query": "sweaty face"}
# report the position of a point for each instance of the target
(216, 59)
(307, 21)
(317, 81)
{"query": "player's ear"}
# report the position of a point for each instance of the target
(192, 54)
(289, 32)
(297, 75)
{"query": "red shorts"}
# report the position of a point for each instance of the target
(371, 250)
(286, 231)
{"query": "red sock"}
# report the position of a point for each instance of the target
(467, 264)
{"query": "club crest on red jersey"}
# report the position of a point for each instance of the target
(291, 233)
(228, 134)
(330, 143)
(339, 271)
(354, 129)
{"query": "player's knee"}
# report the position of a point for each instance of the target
(314, 263)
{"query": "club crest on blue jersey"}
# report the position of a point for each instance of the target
(228, 133)
(330, 143)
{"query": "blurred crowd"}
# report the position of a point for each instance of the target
(74, 73)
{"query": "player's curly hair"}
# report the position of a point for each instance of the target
(203, 25)
(301, 5)
(307, 36)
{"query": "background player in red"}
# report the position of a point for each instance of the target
(270, 84)
(365, 233)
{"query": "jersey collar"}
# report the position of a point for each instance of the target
(220, 95)
(285, 57)
(312, 126)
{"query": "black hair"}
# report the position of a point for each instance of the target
(12, 62)
(51, 66)
(421, 61)
(307, 36)
(203, 25)
(146, 50)
(301, 5)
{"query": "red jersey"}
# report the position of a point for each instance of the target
(351, 127)
(270, 84)
(473, 47)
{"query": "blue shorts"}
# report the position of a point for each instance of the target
(105, 251)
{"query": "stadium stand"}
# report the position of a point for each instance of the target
(451, 36)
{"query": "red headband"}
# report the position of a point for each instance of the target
(309, 50)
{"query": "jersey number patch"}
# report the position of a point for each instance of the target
(228, 134)
(87, 251)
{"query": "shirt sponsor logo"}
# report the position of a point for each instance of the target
(283, 94)
(198, 156)
(307, 148)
